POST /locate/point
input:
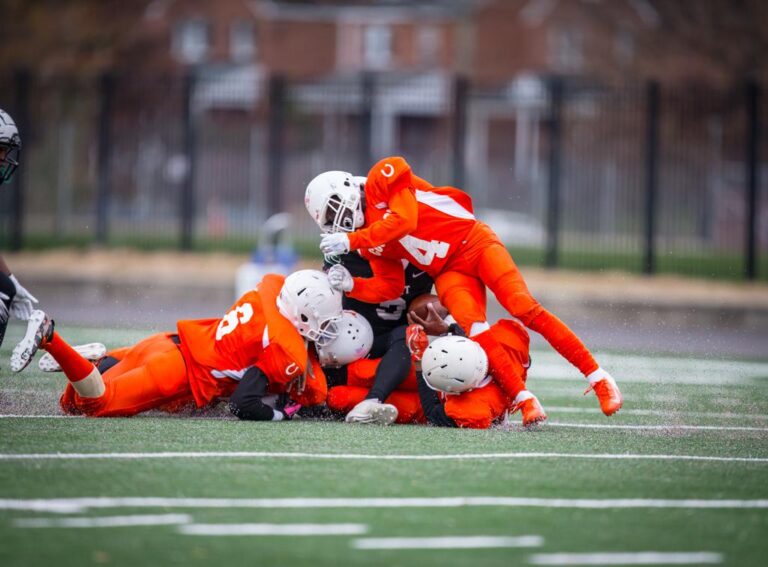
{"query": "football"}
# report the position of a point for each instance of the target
(419, 306)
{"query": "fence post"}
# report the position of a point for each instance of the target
(106, 92)
(21, 118)
(367, 87)
(277, 94)
(187, 197)
(651, 175)
(460, 97)
(556, 89)
(752, 162)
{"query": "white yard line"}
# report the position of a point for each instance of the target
(368, 457)
(104, 522)
(447, 542)
(655, 427)
(273, 529)
(18, 416)
(73, 505)
(641, 558)
(660, 413)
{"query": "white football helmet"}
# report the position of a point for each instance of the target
(453, 364)
(334, 201)
(353, 343)
(309, 302)
(10, 143)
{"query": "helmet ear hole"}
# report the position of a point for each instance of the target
(304, 318)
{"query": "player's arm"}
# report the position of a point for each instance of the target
(402, 219)
(247, 401)
(15, 297)
(430, 404)
(386, 284)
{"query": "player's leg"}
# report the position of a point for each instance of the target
(153, 376)
(392, 370)
(498, 270)
(7, 293)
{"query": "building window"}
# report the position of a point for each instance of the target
(242, 41)
(190, 40)
(429, 45)
(378, 47)
(566, 48)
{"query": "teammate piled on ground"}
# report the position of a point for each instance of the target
(259, 351)
(399, 216)
(15, 300)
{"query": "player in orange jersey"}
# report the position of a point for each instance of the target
(257, 351)
(400, 216)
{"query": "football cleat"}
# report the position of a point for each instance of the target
(372, 411)
(416, 340)
(530, 408)
(606, 390)
(39, 333)
(91, 351)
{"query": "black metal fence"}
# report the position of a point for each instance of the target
(630, 177)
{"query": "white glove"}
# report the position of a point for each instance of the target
(340, 278)
(334, 244)
(22, 304)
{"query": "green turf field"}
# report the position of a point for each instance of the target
(682, 470)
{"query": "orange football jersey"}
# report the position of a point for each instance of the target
(218, 352)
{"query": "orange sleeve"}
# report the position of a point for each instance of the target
(278, 366)
(564, 341)
(401, 219)
(387, 282)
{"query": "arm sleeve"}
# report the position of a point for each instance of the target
(246, 401)
(564, 341)
(402, 219)
(430, 403)
(387, 282)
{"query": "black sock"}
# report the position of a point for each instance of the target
(8, 290)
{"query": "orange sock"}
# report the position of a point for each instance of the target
(74, 366)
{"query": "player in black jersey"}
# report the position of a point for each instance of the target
(388, 320)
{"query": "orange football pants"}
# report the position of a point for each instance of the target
(150, 375)
(483, 261)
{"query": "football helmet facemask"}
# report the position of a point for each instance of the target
(309, 302)
(453, 364)
(334, 200)
(10, 147)
(353, 343)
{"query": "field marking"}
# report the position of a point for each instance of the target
(613, 558)
(369, 457)
(272, 529)
(74, 505)
(19, 416)
(105, 521)
(447, 542)
(655, 427)
(660, 413)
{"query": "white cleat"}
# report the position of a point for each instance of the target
(39, 332)
(372, 411)
(91, 351)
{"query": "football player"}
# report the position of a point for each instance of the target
(401, 216)
(257, 351)
(387, 318)
(15, 300)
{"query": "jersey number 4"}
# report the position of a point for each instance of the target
(240, 314)
(424, 251)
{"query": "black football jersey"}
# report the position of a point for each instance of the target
(387, 315)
